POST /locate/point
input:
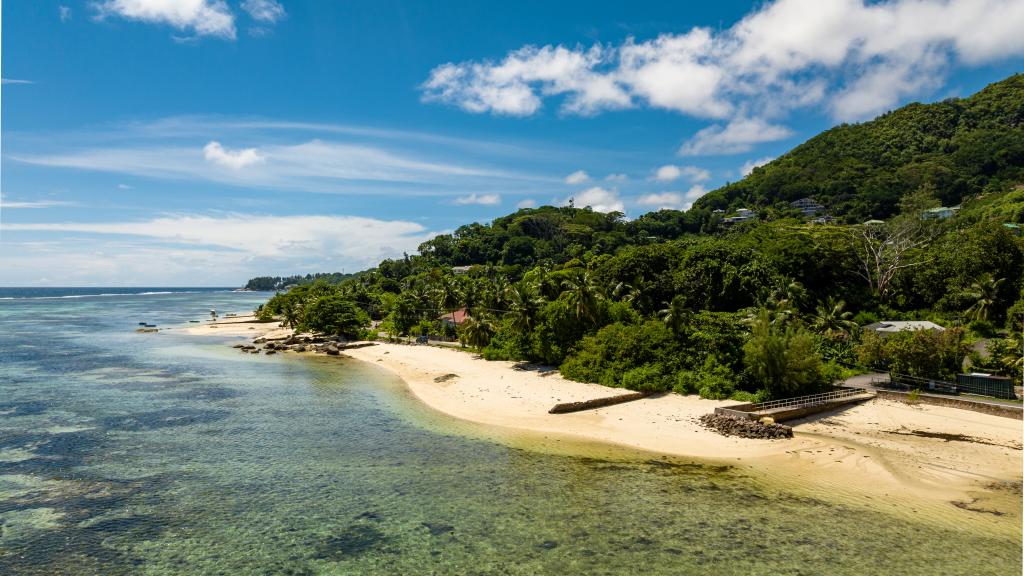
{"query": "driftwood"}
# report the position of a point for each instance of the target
(596, 403)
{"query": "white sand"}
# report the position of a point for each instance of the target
(240, 325)
(853, 451)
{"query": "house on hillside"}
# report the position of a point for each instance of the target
(887, 327)
(742, 215)
(940, 213)
(460, 270)
(807, 207)
(454, 319)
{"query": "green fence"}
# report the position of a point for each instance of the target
(997, 386)
(994, 386)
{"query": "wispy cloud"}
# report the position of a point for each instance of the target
(360, 241)
(737, 136)
(481, 199)
(281, 155)
(6, 205)
(64, 12)
(268, 11)
(14, 81)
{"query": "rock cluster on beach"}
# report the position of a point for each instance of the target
(312, 343)
(730, 426)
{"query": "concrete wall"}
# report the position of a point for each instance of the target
(596, 403)
(994, 409)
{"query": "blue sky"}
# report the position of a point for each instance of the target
(201, 142)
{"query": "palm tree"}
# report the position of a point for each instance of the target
(448, 294)
(476, 331)
(583, 295)
(675, 313)
(832, 320)
(985, 293)
(625, 292)
(524, 304)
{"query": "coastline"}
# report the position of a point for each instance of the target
(912, 454)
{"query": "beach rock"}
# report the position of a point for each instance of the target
(299, 348)
(744, 428)
(239, 346)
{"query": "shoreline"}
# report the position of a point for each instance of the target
(912, 454)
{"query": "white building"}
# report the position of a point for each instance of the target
(887, 327)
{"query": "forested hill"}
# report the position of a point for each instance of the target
(269, 283)
(960, 147)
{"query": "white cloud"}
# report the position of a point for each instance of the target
(599, 199)
(124, 187)
(482, 199)
(506, 87)
(668, 173)
(13, 81)
(201, 17)
(34, 204)
(854, 58)
(672, 200)
(749, 165)
(268, 11)
(577, 177)
(618, 178)
(671, 173)
(662, 200)
(236, 160)
(737, 136)
(527, 203)
(227, 248)
(64, 12)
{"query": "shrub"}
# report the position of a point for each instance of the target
(782, 360)
(606, 356)
(647, 378)
(334, 314)
(712, 380)
(982, 328)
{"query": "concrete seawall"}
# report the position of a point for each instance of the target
(1006, 411)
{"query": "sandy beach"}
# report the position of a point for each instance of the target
(884, 441)
(924, 452)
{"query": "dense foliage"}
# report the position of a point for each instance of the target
(674, 301)
(960, 147)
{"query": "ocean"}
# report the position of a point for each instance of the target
(159, 453)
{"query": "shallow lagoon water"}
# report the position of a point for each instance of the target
(126, 453)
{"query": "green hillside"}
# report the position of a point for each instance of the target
(959, 147)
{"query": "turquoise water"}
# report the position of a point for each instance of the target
(127, 453)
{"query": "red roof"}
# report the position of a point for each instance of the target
(459, 315)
